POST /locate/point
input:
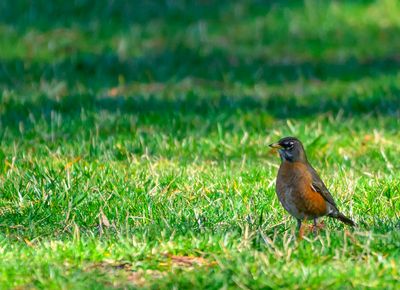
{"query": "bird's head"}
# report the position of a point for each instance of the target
(290, 149)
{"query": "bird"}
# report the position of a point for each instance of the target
(299, 188)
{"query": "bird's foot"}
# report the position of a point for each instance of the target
(315, 228)
(321, 225)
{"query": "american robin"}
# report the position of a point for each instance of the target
(299, 188)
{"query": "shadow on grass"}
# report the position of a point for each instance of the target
(46, 15)
(98, 73)
(101, 70)
(163, 109)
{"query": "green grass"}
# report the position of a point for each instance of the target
(134, 136)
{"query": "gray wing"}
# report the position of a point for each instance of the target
(319, 186)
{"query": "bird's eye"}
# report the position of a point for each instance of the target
(289, 145)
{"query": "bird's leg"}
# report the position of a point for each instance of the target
(315, 227)
(300, 229)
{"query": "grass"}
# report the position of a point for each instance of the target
(134, 142)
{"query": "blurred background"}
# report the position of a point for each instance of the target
(293, 58)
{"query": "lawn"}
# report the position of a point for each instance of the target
(134, 142)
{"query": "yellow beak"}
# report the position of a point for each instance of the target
(275, 145)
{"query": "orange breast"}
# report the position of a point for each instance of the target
(314, 203)
(294, 190)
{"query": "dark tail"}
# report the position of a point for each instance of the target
(344, 219)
